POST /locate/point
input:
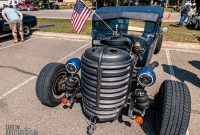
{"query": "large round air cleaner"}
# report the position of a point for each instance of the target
(105, 81)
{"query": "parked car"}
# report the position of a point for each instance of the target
(48, 5)
(25, 6)
(102, 3)
(28, 23)
(116, 72)
(194, 21)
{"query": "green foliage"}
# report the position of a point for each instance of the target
(174, 33)
(62, 26)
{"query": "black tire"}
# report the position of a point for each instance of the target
(158, 44)
(47, 84)
(43, 6)
(18, 8)
(26, 30)
(173, 107)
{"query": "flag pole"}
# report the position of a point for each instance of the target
(100, 18)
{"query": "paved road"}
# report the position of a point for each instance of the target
(66, 14)
(20, 64)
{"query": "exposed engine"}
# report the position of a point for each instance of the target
(111, 79)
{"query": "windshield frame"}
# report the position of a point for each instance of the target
(147, 26)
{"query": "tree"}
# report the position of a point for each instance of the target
(198, 5)
(101, 3)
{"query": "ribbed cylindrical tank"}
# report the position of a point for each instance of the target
(105, 81)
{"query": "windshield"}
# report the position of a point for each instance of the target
(123, 25)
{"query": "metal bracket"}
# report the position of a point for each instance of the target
(130, 109)
(92, 126)
(71, 99)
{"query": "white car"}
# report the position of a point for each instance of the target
(8, 2)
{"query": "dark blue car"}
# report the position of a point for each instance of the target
(28, 23)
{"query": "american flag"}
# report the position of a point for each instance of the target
(80, 15)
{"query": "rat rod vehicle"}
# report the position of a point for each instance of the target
(116, 71)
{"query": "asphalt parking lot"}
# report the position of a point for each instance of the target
(20, 64)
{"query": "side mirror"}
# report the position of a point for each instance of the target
(165, 29)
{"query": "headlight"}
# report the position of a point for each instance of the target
(146, 77)
(73, 65)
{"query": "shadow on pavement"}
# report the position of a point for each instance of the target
(174, 25)
(195, 64)
(121, 120)
(5, 39)
(183, 75)
(19, 70)
(148, 125)
(10, 38)
(149, 119)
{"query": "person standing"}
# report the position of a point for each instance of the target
(10, 5)
(161, 3)
(14, 18)
(193, 10)
(184, 14)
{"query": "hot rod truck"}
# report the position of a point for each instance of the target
(116, 71)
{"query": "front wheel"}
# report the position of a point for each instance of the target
(27, 31)
(18, 8)
(43, 6)
(158, 44)
(50, 85)
(173, 107)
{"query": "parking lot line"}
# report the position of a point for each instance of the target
(14, 44)
(187, 133)
(171, 70)
(17, 87)
(7, 46)
(68, 39)
(181, 50)
(74, 52)
(34, 77)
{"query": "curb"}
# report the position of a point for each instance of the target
(166, 44)
(62, 35)
(181, 45)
